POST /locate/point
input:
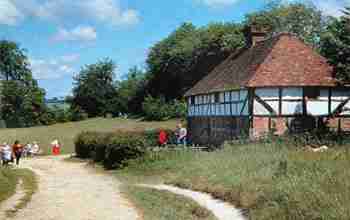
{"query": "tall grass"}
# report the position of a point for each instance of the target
(270, 181)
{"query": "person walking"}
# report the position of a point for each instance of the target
(17, 150)
(6, 154)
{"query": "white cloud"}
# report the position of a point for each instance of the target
(328, 7)
(63, 11)
(80, 33)
(54, 68)
(217, 3)
(331, 7)
(9, 14)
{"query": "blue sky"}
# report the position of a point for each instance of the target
(60, 36)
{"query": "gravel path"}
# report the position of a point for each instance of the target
(222, 210)
(72, 191)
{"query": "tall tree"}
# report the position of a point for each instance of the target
(176, 63)
(94, 90)
(304, 20)
(336, 46)
(14, 64)
(131, 91)
(22, 101)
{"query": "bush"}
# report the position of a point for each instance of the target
(123, 147)
(78, 114)
(113, 149)
(156, 109)
(85, 143)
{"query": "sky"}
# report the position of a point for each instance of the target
(61, 36)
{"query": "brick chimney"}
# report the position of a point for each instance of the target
(254, 34)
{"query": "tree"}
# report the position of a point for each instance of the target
(188, 54)
(22, 100)
(336, 46)
(304, 20)
(94, 90)
(131, 91)
(14, 64)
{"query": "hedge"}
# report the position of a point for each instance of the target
(115, 149)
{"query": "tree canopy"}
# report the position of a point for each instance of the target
(336, 46)
(94, 91)
(304, 20)
(22, 100)
(177, 62)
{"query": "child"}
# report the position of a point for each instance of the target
(162, 138)
(56, 148)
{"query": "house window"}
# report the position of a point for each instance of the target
(217, 97)
(312, 92)
(191, 100)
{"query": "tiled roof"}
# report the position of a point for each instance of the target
(283, 60)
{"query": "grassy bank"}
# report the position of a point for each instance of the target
(9, 178)
(66, 132)
(161, 205)
(30, 186)
(271, 181)
(8, 182)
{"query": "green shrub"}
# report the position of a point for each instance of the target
(113, 149)
(85, 143)
(78, 114)
(156, 109)
(123, 147)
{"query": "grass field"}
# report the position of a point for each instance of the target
(66, 132)
(270, 181)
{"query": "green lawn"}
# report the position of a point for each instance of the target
(271, 181)
(66, 132)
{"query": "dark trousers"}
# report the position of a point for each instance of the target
(18, 156)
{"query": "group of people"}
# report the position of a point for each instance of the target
(17, 151)
(180, 133)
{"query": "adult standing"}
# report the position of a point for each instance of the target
(17, 150)
(181, 135)
(6, 154)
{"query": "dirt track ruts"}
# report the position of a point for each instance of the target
(73, 191)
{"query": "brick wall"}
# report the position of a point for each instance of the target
(262, 125)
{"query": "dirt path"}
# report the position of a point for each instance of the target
(72, 191)
(222, 210)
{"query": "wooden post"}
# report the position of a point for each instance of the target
(329, 101)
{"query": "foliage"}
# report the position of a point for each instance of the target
(22, 99)
(156, 109)
(336, 46)
(22, 103)
(188, 54)
(123, 147)
(304, 20)
(14, 64)
(94, 90)
(131, 91)
(113, 149)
